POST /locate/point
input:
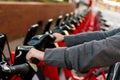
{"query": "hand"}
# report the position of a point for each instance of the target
(34, 53)
(59, 37)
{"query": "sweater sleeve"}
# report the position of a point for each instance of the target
(85, 56)
(88, 36)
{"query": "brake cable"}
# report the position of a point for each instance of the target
(8, 46)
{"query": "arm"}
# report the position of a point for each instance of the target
(88, 36)
(86, 56)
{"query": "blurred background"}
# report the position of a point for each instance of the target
(18, 16)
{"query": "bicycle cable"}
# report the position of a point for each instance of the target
(8, 46)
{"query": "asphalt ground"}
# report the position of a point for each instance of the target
(113, 18)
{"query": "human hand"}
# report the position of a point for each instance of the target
(59, 37)
(34, 53)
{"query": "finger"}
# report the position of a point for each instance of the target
(28, 56)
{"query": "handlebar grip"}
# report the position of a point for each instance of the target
(35, 61)
(21, 68)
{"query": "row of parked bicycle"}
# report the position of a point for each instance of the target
(17, 67)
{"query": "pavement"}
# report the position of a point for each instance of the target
(113, 18)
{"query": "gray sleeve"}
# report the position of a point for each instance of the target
(87, 55)
(88, 36)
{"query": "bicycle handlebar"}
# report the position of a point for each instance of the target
(15, 69)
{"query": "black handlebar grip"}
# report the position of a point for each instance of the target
(35, 61)
(21, 69)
